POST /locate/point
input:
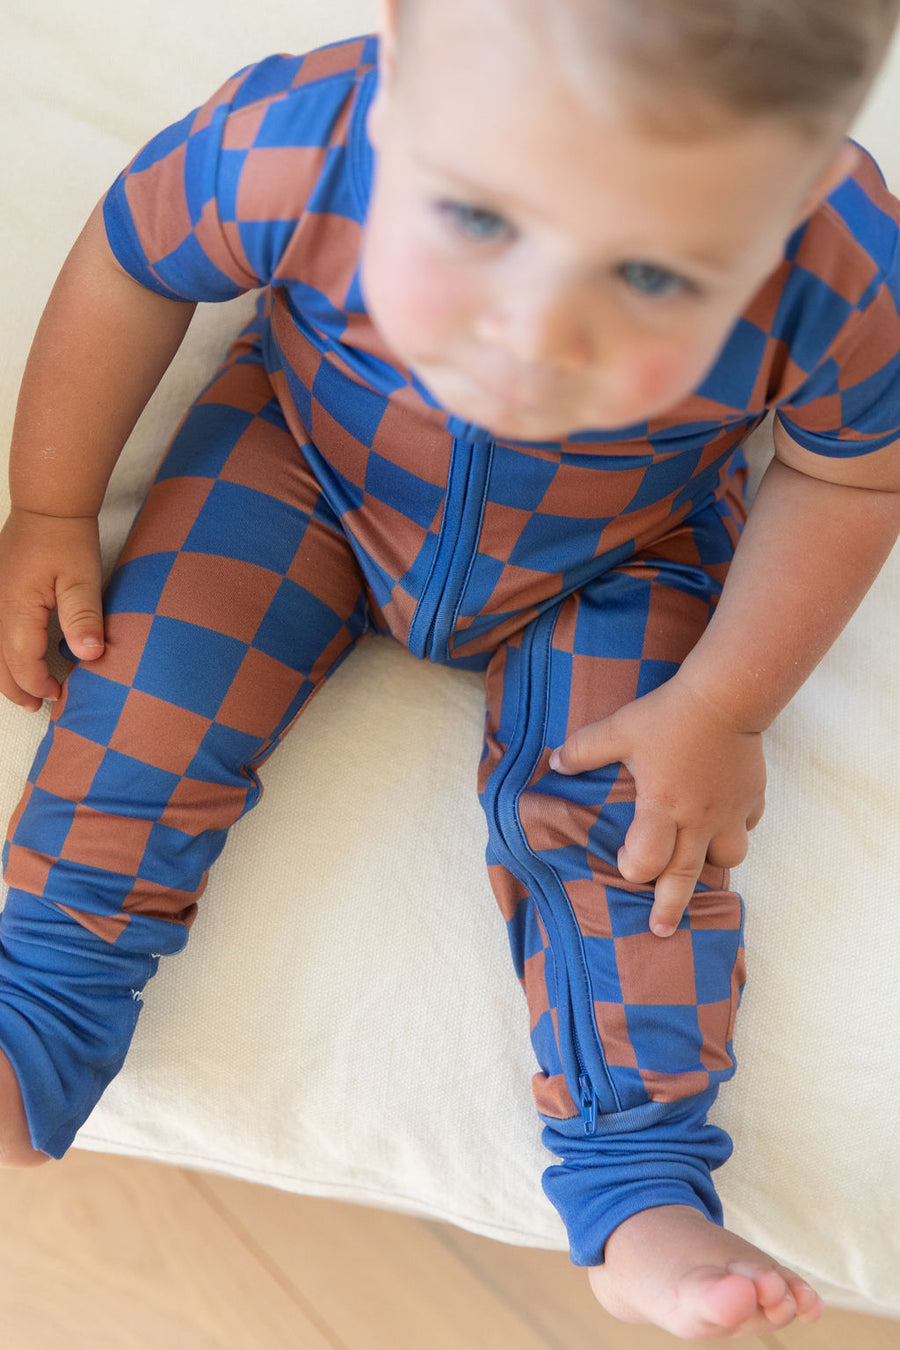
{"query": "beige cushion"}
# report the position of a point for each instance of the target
(345, 1020)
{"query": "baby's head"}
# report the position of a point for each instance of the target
(574, 200)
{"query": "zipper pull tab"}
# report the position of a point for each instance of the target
(588, 1104)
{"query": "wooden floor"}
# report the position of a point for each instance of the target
(106, 1253)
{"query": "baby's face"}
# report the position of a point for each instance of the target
(544, 265)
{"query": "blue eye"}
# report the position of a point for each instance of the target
(649, 280)
(475, 222)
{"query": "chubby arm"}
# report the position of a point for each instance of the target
(816, 537)
(100, 349)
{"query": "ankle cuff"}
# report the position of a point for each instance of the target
(639, 1159)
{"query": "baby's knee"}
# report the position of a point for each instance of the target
(16, 1149)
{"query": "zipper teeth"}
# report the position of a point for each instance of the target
(457, 546)
(439, 601)
(435, 602)
(421, 630)
(475, 533)
(513, 755)
(583, 1075)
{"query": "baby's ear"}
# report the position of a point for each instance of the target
(387, 62)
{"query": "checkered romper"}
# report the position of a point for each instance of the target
(316, 493)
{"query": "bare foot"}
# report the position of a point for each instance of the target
(674, 1268)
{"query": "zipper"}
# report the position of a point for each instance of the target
(583, 1061)
(456, 549)
(588, 1104)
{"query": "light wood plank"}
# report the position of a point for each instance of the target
(559, 1296)
(837, 1330)
(105, 1253)
(552, 1285)
(381, 1281)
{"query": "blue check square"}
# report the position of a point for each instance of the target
(189, 666)
(45, 823)
(128, 787)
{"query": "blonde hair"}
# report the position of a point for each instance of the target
(809, 62)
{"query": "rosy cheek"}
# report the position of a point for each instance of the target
(439, 304)
(417, 301)
(662, 375)
(427, 302)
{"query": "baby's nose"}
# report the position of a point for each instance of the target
(540, 330)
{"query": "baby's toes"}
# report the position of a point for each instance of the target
(773, 1293)
(809, 1305)
(725, 1299)
(782, 1313)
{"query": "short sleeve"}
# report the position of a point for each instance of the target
(206, 210)
(850, 402)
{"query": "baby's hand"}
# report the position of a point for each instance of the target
(46, 563)
(700, 786)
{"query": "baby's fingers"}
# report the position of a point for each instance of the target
(81, 617)
(648, 846)
(675, 884)
(24, 677)
(591, 747)
(729, 848)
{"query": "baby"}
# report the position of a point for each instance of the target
(530, 273)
